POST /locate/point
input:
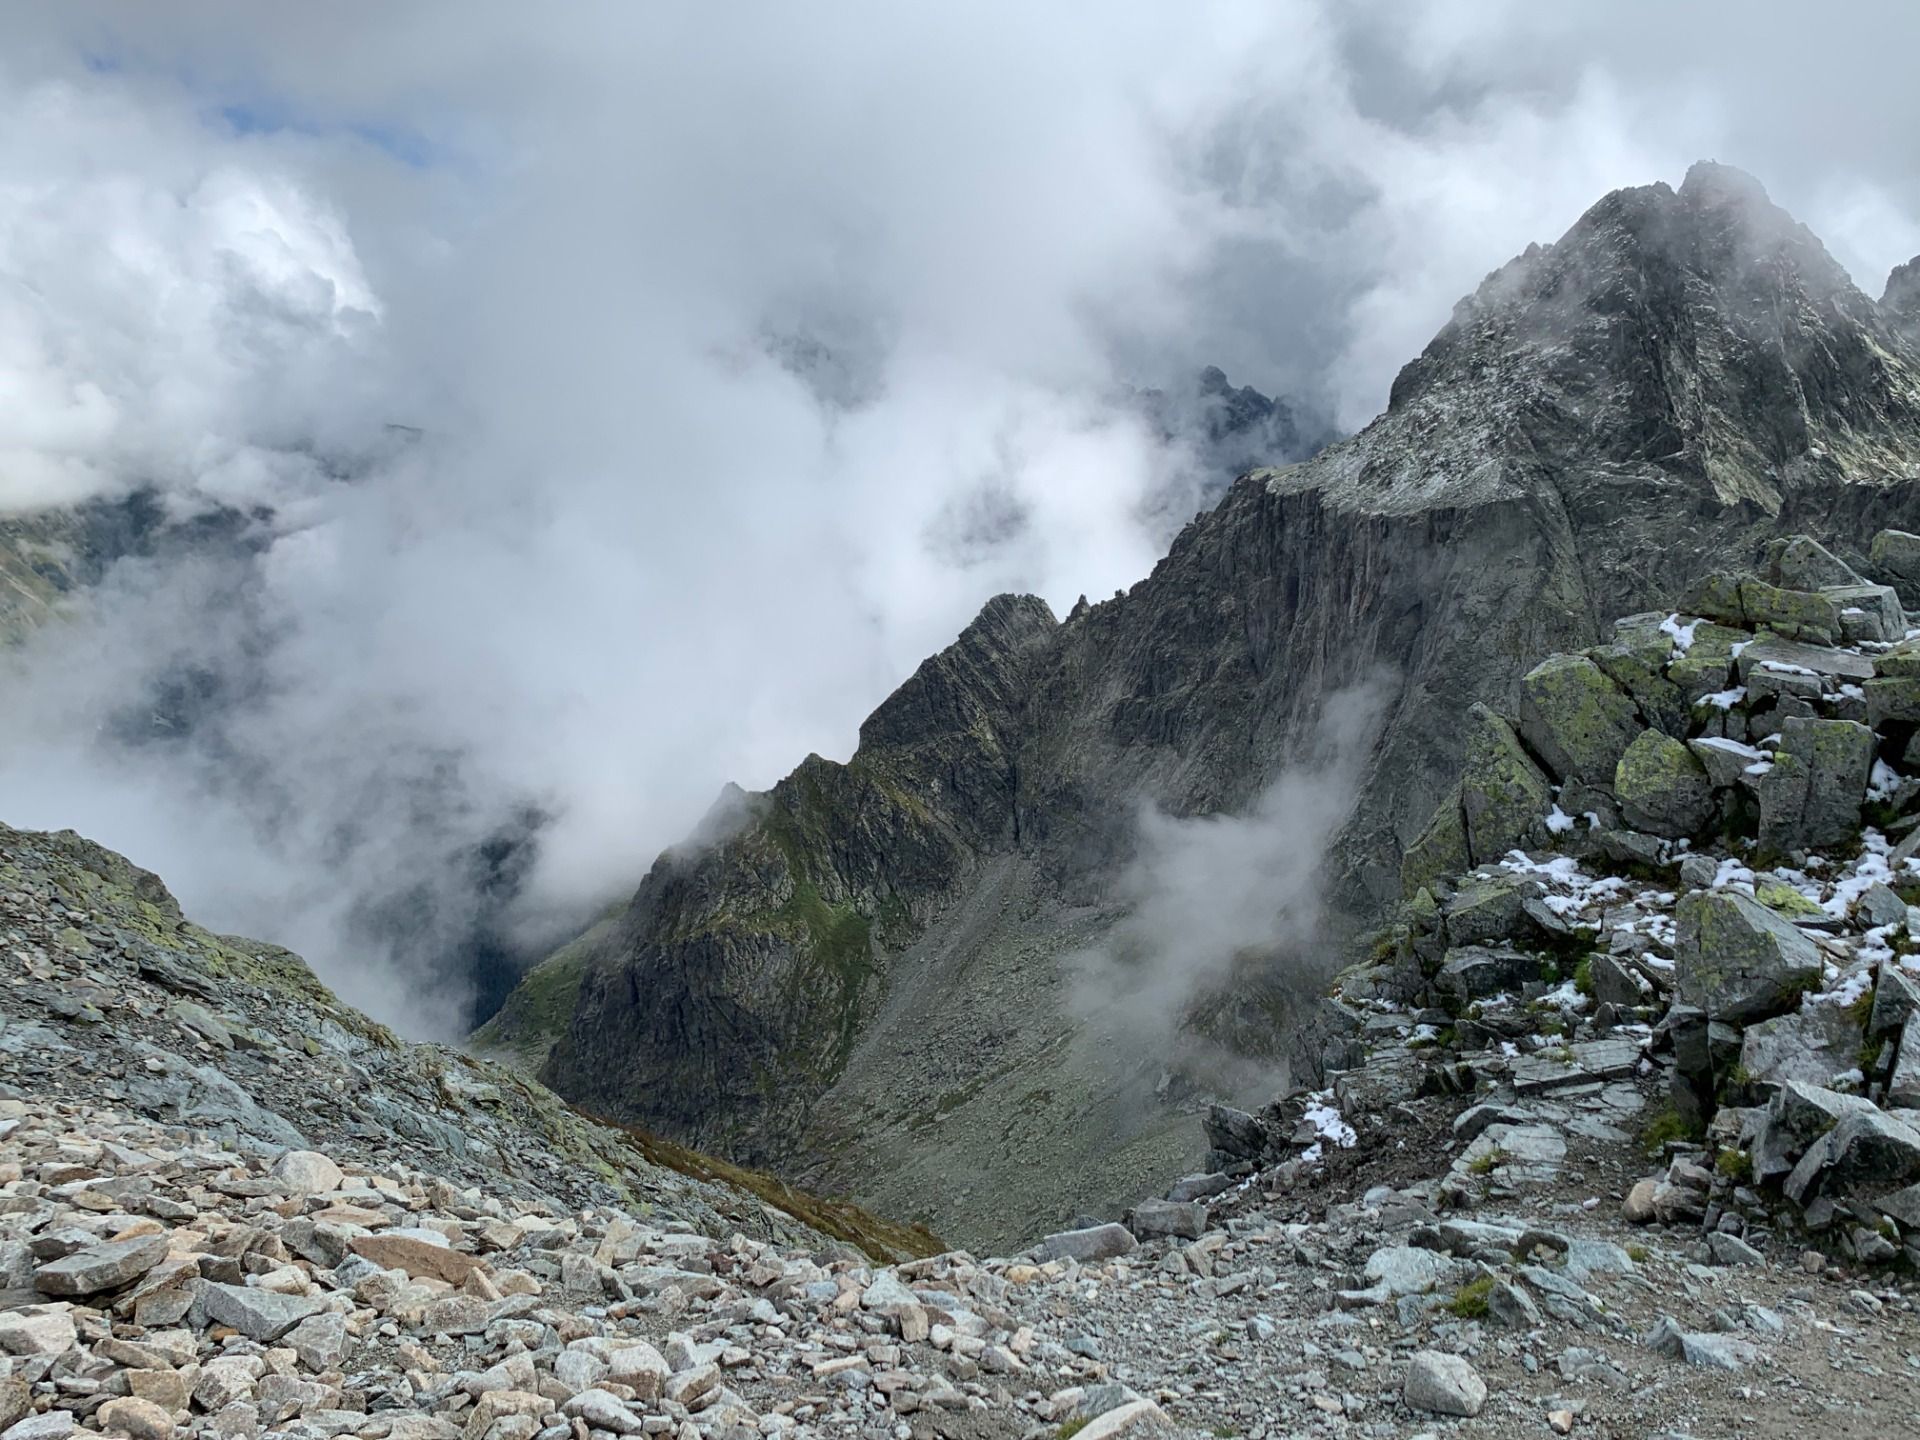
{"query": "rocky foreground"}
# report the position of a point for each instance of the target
(1612, 1140)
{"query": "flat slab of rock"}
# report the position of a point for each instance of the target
(1577, 1064)
(101, 1267)
(1515, 1154)
(417, 1256)
(1821, 659)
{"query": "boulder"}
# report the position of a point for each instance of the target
(418, 1255)
(1473, 972)
(1896, 996)
(1638, 665)
(260, 1315)
(1896, 558)
(1770, 651)
(1878, 907)
(1235, 1132)
(1812, 795)
(1490, 907)
(1662, 787)
(1799, 562)
(1442, 1384)
(1868, 1147)
(1868, 612)
(1503, 794)
(1407, 1270)
(1893, 699)
(101, 1267)
(141, 1419)
(1796, 614)
(1726, 761)
(1199, 1187)
(1614, 983)
(1576, 719)
(1737, 960)
(1152, 1218)
(307, 1172)
(1093, 1242)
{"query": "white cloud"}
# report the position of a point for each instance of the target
(631, 553)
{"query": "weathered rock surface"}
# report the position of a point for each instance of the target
(1737, 960)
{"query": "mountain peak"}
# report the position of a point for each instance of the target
(1704, 332)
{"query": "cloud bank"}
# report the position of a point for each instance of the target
(600, 407)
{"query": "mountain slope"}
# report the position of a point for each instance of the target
(873, 978)
(118, 999)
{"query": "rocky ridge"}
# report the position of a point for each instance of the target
(117, 1000)
(868, 974)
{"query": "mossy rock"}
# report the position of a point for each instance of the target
(1903, 660)
(1717, 597)
(1798, 614)
(1739, 961)
(1713, 642)
(1639, 667)
(1783, 899)
(1663, 788)
(1503, 794)
(1576, 719)
(1440, 850)
(1893, 698)
(1697, 676)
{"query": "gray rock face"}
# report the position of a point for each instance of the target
(1443, 1384)
(1737, 960)
(1814, 1044)
(1503, 794)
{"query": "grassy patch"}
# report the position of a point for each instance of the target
(539, 1007)
(1470, 1303)
(1665, 1125)
(1735, 1164)
(1486, 1164)
(885, 1240)
(1583, 976)
(1070, 1428)
(1639, 1254)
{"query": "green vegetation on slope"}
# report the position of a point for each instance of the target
(537, 1010)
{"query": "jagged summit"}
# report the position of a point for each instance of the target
(1704, 333)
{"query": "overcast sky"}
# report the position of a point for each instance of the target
(749, 348)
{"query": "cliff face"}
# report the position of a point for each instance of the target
(865, 979)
